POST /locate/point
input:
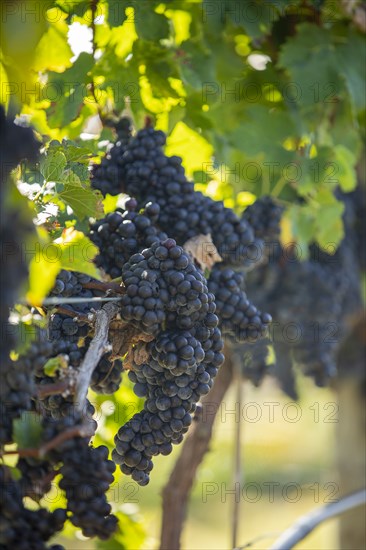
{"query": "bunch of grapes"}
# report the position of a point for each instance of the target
(146, 173)
(22, 528)
(69, 328)
(86, 476)
(254, 358)
(168, 300)
(239, 318)
(18, 386)
(106, 176)
(310, 300)
(123, 233)
(170, 319)
(264, 216)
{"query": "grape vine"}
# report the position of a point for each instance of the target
(173, 304)
(166, 333)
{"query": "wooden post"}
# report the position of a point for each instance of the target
(351, 434)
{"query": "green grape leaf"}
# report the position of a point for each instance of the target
(256, 18)
(250, 138)
(196, 65)
(303, 225)
(352, 67)
(83, 201)
(116, 12)
(71, 89)
(82, 172)
(309, 57)
(53, 165)
(160, 65)
(28, 431)
(75, 153)
(77, 7)
(176, 114)
(323, 66)
(150, 25)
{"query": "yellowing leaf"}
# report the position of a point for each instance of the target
(77, 252)
(4, 96)
(181, 22)
(244, 198)
(110, 203)
(193, 148)
(53, 51)
(43, 270)
(124, 36)
(346, 174)
(54, 365)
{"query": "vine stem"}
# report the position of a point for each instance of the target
(105, 286)
(75, 314)
(94, 7)
(81, 430)
(56, 388)
(279, 186)
(176, 491)
(98, 346)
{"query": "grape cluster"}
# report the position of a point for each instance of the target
(163, 285)
(180, 370)
(17, 386)
(167, 298)
(147, 174)
(69, 325)
(68, 330)
(123, 233)
(239, 318)
(106, 176)
(21, 528)
(254, 358)
(107, 376)
(37, 476)
(86, 476)
(310, 299)
(264, 216)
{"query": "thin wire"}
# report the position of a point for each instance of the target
(238, 468)
(269, 535)
(55, 301)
